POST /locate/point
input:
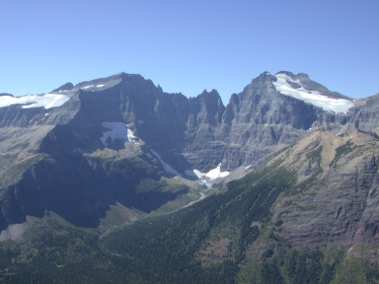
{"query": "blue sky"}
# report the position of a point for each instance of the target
(188, 46)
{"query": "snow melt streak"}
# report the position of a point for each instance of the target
(313, 97)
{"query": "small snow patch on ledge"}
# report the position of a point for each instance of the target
(118, 131)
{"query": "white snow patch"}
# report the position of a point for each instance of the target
(46, 101)
(247, 167)
(165, 166)
(131, 136)
(118, 131)
(92, 86)
(337, 105)
(13, 232)
(211, 175)
(87, 87)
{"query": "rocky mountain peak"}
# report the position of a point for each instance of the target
(65, 87)
(111, 81)
(265, 77)
(211, 98)
(258, 87)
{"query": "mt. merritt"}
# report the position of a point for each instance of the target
(302, 161)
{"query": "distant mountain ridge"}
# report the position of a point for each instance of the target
(190, 123)
(182, 136)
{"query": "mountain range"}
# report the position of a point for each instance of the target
(116, 181)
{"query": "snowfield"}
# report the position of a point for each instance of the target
(283, 86)
(212, 174)
(117, 131)
(46, 101)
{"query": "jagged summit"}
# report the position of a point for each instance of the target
(264, 76)
(298, 86)
(65, 87)
(211, 96)
(211, 92)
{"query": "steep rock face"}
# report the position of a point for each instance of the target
(173, 125)
(255, 123)
(365, 116)
(201, 148)
(260, 121)
(335, 198)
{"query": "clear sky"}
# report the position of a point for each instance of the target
(188, 46)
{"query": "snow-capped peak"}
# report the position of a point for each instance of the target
(293, 87)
